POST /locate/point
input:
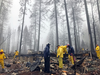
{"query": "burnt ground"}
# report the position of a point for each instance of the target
(88, 67)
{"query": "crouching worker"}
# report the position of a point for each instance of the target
(47, 58)
(2, 57)
(64, 49)
(71, 54)
(16, 54)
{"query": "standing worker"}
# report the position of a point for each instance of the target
(16, 54)
(71, 54)
(98, 51)
(82, 49)
(2, 57)
(60, 56)
(47, 58)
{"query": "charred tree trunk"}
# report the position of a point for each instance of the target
(8, 41)
(39, 27)
(98, 9)
(18, 37)
(69, 36)
(63, 35)
(35, 33)
(22, 28)
(51, 38)
(1, 32)
(93, 26)
(75, 33)
(89, 29)
(57, 39)
(78, 39)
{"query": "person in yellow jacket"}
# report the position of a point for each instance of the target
(98, 51)
(64, 49)
(82, 49)
(2, 57)
(16, 54)
(60, 56)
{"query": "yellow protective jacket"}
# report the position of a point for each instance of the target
(83, 49)
(64, 49)
(2, 56)
(60, 52)
(98, 51)
(16, 53)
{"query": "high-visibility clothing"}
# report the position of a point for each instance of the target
(1, 50)
(16, 54)
(83, 49)
(2, 63)
(60, 55)
(64, 49)
(98, 51)
(60, 52)
(2, 57)
(60, 62)
(71, 59)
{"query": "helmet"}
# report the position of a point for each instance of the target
(1, 50)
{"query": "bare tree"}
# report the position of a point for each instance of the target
(69, 36)
(4, 11)
(39, 27)
(25, 40)
(8, 40)
(95, 42)
(18, 37)
(98, 9)
(89, 29)
(23, 13)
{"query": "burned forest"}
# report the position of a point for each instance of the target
(49, 37)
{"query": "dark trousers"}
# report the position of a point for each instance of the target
(47, 64)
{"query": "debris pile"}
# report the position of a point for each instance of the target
(83, 66)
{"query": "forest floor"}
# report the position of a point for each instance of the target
(88, 67)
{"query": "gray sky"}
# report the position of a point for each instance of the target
(14, 23)
(14, 14)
